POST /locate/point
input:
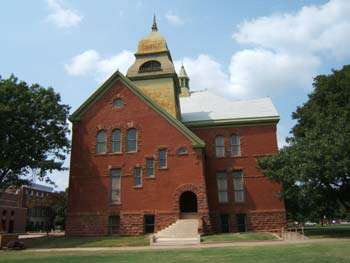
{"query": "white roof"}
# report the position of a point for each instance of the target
(205, 105)
(40, 187)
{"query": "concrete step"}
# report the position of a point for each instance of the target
(183, 231)
(176, 241)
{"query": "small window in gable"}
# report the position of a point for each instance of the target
(150, 66)
(182, 151)
(118, 103)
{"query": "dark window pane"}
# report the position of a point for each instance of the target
(118, 103)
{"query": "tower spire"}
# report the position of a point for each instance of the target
(154, 26)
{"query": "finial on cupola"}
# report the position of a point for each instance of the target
(154, 26)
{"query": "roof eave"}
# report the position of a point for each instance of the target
(233, 122)
(76, 116)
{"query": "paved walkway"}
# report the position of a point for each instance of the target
(202, 245)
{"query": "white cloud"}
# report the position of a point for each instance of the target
(62, 17)
(259, 72)
(83, 63)
(174, 19)
(204, 73)
(286, 52)
(252, 73)
(322, 29)
(90, 62)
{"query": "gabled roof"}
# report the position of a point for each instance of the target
(76, 116)
(205, 108)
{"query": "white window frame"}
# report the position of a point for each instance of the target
(235, 145)
(115, 141)
(127, 140)
(238, 186)
(134, 174)
(100, 144)
(165, 158)
(115, 189)
(222, 191)
(147, 167)
(219, 146)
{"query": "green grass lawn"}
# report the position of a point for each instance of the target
(234, 237)
(107, 241)
(333, 231)
(334, 252)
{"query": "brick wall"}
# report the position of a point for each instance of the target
(89, 175)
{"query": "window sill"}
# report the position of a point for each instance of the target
(101, 154)
(117, 153)
(150, 177)
(163, 169)
(114, 204)
(131, 152)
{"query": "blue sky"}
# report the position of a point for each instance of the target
(239, 49)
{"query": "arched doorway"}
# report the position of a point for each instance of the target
(188, 202)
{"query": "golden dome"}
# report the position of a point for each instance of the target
(152, 43)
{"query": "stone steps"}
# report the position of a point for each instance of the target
(183, 231)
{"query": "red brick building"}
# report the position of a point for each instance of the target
(147, 151)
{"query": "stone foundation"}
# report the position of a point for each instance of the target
(271, 221)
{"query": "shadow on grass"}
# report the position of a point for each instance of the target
(335, 231)
(71, 242)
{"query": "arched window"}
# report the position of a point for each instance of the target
(235, 145)
(101, 145)
(219, 146)
(150, 66)
(132, 140)
(116, 141)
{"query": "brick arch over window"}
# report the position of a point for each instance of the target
(200, 192)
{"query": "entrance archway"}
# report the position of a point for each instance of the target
(188, 202)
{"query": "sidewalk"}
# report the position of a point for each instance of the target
(200, 246)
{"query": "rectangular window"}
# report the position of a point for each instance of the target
(150, 167)
(149, 223)
(116, 141)
(115, 185)
(138, 176)
(162, 158)
(241, 222)
(238, 186)
(225, 223)
(221, 180)
(235, 145)
(219, 146)
(113, 224)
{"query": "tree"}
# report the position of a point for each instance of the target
(314, 168)
(33, 132)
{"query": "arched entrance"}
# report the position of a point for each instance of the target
(188, 203)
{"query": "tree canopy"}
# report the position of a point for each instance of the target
(315, 167)
(33, 132)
